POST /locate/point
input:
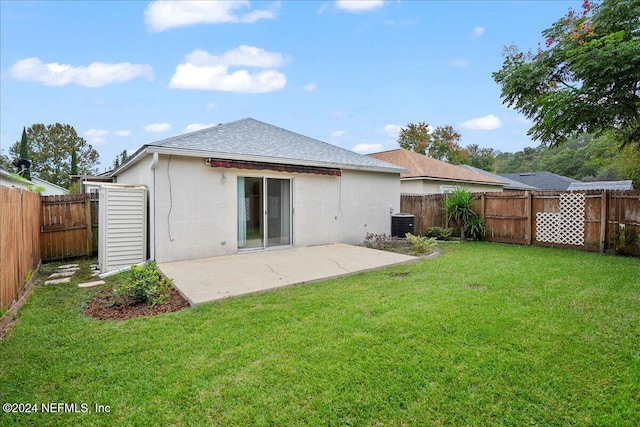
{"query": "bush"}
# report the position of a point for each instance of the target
(421, 245)
(381, 242)
(440, 233)
(142, 284)
(624, 240)
(458, 207)
(475, 228)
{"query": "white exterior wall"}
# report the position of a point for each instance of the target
(426, 186)
(198, 218)
(367, 201)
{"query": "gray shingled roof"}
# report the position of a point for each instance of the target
(251, 137)
(601, 185)
(510, 183)
(541, 180)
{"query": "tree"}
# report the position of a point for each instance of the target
(51, 150)
(24, 153)
(482, 158)
(585, 79)
(120, 159)
(441, 143)
(74, 162)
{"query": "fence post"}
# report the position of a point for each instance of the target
(603, 221)
(529, 224)
(87, 207)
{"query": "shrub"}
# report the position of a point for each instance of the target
(457, 205)
(624, 240)
(440, 233)
(142, 284)
(379, 241)
(421, 245)
(475, 228)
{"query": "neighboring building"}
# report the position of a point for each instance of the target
(90, 184)
(510, 185)
(9, 179)
(601, 185)
(430, 176)
(50, 189)
(541, 180)
(247, 185)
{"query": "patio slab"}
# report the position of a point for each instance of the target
(210, 279)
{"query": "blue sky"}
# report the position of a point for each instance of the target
(124, 74)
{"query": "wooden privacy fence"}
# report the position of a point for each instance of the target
(68, 226)
(583, 220)
(19, 241)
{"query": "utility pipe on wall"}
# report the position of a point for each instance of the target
(152, 206)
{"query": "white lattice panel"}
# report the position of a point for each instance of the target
(566, 226)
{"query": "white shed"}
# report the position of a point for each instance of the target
(122, 228)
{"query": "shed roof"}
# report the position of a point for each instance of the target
(252, 139)
(421, 166)
(542, 180)
(601, 185)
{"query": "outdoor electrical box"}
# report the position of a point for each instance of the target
(122, 226)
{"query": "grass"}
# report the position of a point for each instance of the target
(484, 334)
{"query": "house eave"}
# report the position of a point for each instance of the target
(150, 149)
(463, 181)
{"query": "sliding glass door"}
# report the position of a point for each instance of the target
(264, 212)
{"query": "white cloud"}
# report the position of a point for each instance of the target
(367, 148)
(359, 5)
(478, 32)
(96, 136)
(337, 134)
(310, 87)
(211, 72)
(392, 130)
(489, 122)
(196, 126)
(96, 74)
(211, 106)
(157, 127)
(164, 15)
(459, 63)
(123, 133)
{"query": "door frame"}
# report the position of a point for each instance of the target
(265, 213)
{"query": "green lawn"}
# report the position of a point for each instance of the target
(484, 334)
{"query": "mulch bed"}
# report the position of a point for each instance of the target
(101, 307)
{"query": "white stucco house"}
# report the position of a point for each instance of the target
(248, 185)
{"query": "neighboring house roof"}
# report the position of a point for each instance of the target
(11, 176)
(250, 139)
(601, 185)
(509, 183)
(541, 180)
(421, 166)
(50, 189)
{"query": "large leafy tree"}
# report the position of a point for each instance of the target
(585, 79)
(442, 143)
(51, 148)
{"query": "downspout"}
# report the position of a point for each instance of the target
(152, 206)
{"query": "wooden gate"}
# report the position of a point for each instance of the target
(66, 228)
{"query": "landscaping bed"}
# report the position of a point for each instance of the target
(103, 306)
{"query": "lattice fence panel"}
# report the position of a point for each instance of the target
(566, 226)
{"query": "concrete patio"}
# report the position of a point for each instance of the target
(210, 279)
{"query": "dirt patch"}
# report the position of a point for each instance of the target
(102, 308)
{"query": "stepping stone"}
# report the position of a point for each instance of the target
(67, 266)
(94, 266)
(62, 274)
(90, 284)
(96, 274)
(72, 269)
(56, 281)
